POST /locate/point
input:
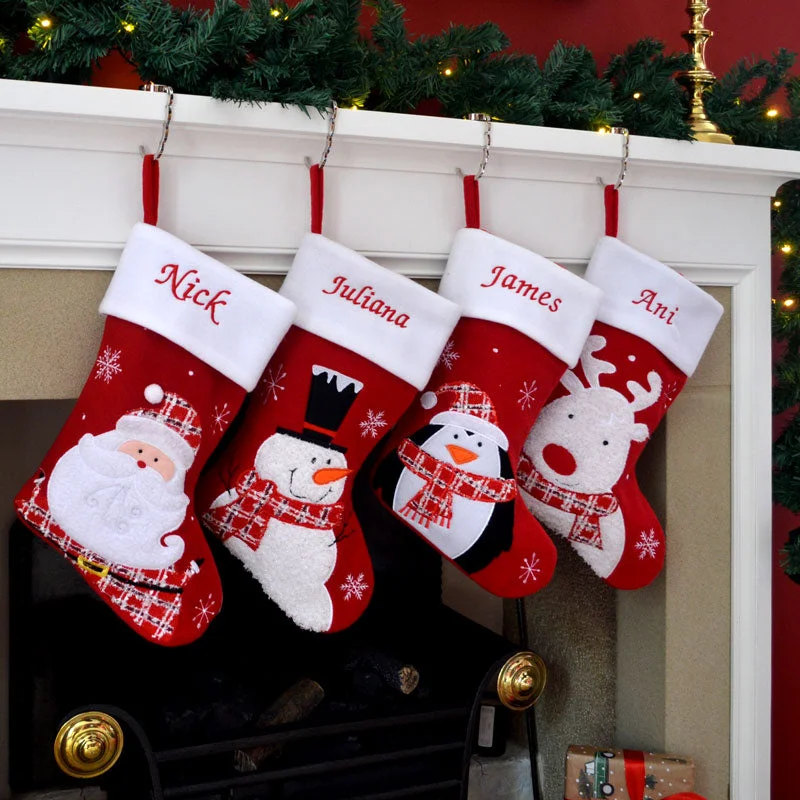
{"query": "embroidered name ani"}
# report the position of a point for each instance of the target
(185, 286)
(365, 298)
(513, 283)
(648, 299)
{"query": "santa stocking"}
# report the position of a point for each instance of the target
(185, 338)
(449, 469)
(364, 343)
(577, 471)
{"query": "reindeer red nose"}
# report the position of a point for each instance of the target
(559, 459)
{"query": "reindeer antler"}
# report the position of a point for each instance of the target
(593, 367)
(643, 398)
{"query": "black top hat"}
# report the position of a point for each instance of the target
(329, 399)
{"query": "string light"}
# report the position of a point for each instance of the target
(604, 129)
(777, 204)
(788, 302)
(448, 71)
(786, 248)
(128, 26)
(45, 22)
(276, 12)
(773, 112)
(637, 95)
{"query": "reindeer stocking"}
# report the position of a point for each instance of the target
(577, 468)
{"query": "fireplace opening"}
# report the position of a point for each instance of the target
(258, 708)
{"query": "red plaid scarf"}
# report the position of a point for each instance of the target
(587, 508)
(150, 599)
(433, 503)
(257, 502)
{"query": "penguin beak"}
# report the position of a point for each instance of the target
(460, 454)
(329, 475)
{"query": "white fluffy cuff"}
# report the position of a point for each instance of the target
(384, 317)
(496, 280)
(649, 299)
(227, 320)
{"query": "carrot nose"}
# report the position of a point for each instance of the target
(460, 454)
(329, 475)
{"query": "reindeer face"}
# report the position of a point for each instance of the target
(581, 441)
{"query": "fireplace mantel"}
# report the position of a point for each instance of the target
(234, 184)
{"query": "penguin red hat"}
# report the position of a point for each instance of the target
(471, 408)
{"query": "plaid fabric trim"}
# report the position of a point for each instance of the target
(471, 400)
(178, 415)
(433, 504)
(257, 502)
(588, 508)
(148, 599)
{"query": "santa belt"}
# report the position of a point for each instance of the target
(101, 570)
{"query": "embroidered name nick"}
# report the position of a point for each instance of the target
(185, 287)
(648, 299)
(515, 284)
(365, 298)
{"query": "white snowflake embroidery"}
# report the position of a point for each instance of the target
(108, 365)
(354, 586)
(670, 393)
(372, 425)
(449, 355)
(530, 569)
(272, 382)
(221, 417)
(648, 544)
(527, 395)
(204, 612)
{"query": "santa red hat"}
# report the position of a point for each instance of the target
(171, 425)
(471, 408)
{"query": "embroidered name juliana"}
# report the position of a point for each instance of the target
(515, 284)
(185, 287)
(365, 298)
(647, 298)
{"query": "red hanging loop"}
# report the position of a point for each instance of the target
(472, 201)
(634, 761)
(317, 197)
(612, 210)
(150, 188)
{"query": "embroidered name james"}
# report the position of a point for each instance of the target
(521, 287)
(364, 297)
(648, 300)
(185, 287)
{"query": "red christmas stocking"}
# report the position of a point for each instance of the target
(185, 338)
(577, 470)
(449, 469)
(364, 342)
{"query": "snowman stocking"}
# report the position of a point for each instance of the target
(449, 468)
(577, 470)
(185, 338)
(364, 342)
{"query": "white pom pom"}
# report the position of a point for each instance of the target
(154, 394)
(428, 400)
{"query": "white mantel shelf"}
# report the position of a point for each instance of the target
(234, 184)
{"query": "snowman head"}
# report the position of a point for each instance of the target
(302, 470)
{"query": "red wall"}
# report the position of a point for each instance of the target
(742, 28)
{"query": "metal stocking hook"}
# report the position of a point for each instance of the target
(158, 87)
(329, 139)
(623, 167)
(487, 144)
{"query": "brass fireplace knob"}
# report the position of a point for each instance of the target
(521, 681)
(88, 745)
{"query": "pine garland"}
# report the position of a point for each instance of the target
(311, 53)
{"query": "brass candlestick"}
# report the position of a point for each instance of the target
(699, 78)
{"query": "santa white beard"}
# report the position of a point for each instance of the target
(105, 502)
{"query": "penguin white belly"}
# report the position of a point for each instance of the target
(293, 565)
(467, 524)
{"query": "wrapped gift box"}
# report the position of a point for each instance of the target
(593, 772)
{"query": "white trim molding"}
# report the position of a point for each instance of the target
(234, 185)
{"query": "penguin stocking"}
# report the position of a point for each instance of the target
(577, 470)
(364, 343)
(448, 470)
